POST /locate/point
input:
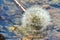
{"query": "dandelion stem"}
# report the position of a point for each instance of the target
(19, 5)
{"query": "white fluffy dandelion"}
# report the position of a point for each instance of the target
(42, 17)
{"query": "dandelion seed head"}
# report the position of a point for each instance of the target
(40, 13)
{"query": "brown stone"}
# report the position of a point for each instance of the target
(2, 37)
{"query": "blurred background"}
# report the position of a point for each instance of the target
(11, 14)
